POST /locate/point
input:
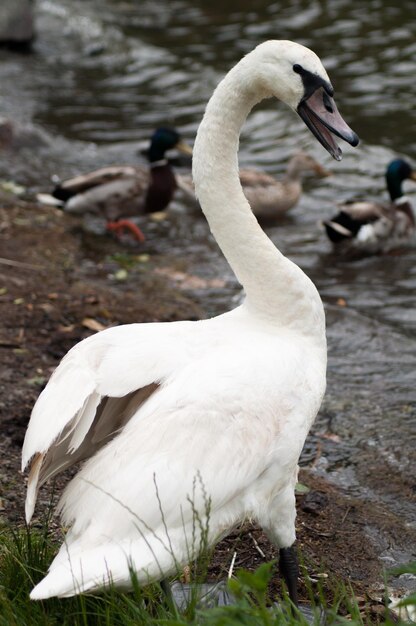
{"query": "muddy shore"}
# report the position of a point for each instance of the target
(57, 287)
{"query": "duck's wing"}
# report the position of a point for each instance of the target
(255, 178)
(352, 217)
(365, 211)
(119, 198)
(248, 177)
(78, 184)
(269, 198)
(94, 392)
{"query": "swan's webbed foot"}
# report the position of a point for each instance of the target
(289, 569)
(120, 225)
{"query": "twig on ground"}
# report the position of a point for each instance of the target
(230, 571)
(12, 263)
(256, 545)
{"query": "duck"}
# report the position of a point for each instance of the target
(187, 428)
(270, 198)
(120, 191)
(368, 227)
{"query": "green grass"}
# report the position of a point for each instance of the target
(25, 556)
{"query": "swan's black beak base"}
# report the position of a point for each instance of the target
(321, 116)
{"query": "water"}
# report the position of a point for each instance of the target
(105, 73)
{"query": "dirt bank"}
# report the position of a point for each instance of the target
(57, 287)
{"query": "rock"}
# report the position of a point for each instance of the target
(207, 595)
(6, 130)
(314, 502)
(15, 136)
(16, 22)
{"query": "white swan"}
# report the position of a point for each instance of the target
(168, 412)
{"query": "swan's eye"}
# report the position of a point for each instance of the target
(311, 82)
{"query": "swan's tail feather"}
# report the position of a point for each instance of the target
(79, 570)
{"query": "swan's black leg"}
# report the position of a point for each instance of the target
(289, 569)
(167, 591)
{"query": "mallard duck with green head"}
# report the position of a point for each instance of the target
(118, 192)
(368, 227)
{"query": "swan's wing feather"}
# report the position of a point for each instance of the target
(96, 388)
(114, 413)
(60, 403)
(160, 472)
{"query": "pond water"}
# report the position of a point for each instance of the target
(105, 73)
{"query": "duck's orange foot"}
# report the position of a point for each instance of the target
(119, 226)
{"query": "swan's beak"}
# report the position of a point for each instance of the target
(321, 116)
(184, 147)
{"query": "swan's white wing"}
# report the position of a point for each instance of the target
(200, 423)
(95, 390)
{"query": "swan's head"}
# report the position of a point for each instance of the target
(295, 75)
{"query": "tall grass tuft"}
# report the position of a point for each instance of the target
(25, 555)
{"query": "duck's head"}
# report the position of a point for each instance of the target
(164, 139)
(302, 163)
(397, 171)
(295, 75)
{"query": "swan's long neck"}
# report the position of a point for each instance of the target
(275, 287)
